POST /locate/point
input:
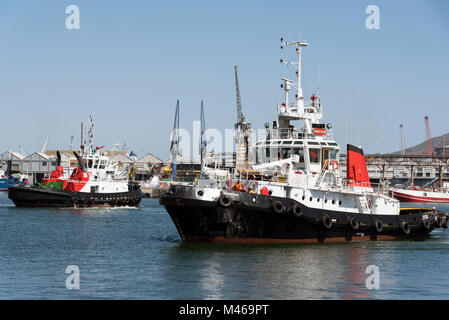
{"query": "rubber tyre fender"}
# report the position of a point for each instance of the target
(297, 210)
(354, 223)
(444, 222)
(405, 227)
(327, 221)
(378, 226)
(438, 222)
(224, 201)
(426, 224)
(278, 207)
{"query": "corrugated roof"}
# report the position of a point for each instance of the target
(15, 154)
(149, 158)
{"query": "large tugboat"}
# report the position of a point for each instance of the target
(293, 188)
(96, 182)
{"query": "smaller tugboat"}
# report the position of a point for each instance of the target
(96, 182)
(7, 179)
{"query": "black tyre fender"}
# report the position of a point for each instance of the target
(405, 227)
(444, 222)
(354, 223)
(438, 221)
(327, 221)
(426, 224)
(277, 206)
(378, 226)
(297, 210)
(224, 200)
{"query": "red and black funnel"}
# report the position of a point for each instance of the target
(356, 170)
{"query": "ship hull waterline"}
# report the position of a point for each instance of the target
(251, 219)
(45, 197)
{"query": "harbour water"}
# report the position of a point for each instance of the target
(136, 253)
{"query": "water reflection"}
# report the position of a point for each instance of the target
(329, 271)
(355, 275)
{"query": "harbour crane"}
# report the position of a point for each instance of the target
(240, 116)
(203, 143)
(242, 128)
(71, 142)
(175, 141)
(401, 128)
(429, 149)
(44, 146)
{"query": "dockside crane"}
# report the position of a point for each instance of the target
(429, 148)
(203, 143)
(242, 128)
(174, 146)
(401, 129)
(240, 116)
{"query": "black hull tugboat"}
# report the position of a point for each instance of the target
(41, 196)
(287, 188)
(252, 218)
(94, 183)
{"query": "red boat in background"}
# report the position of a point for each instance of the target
(417, 194)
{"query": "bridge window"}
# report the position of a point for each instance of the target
(314, 155)
(300, 153)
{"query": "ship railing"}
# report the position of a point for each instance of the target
(292, 133)
(352, 185)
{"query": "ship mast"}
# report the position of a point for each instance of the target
(299, 111)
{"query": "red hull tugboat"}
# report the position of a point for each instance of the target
(94, 183)
(420, 195)
(294, 191)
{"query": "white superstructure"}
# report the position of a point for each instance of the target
(304, 164)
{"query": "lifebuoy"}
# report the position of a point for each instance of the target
(297, 210)
(224, 200)
(353, 223)
(378, 225)
(327, 221)
(335, 164)
(278, 207)
(405, 227)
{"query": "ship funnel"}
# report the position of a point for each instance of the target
(80, 161)
(58, 158)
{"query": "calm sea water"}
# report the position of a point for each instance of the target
(137, 254)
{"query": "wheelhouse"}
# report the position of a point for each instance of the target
(312, 154)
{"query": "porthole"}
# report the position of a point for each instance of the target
(317, 199)
(339, 202)
(303, 197)
(311, 199)
(333, 201)
(325, 200)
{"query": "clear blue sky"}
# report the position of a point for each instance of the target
(131, 60)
